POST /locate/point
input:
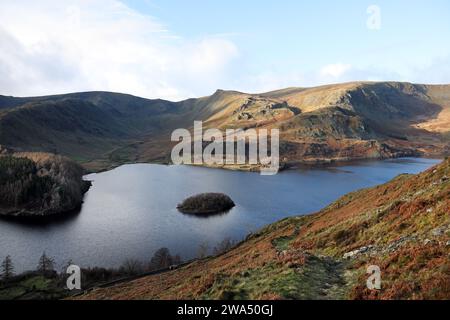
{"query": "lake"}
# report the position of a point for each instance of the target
(130, 211)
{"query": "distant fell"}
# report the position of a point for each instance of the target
(339, 122)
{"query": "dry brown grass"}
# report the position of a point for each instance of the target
(413, 271)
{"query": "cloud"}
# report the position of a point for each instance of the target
(49, 47)
(327, 74)
(336, 70)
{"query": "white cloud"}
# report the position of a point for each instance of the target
(49, 47)
(336, 70)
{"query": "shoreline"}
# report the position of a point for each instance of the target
(55, 219)
(292, 165)
(23, 215)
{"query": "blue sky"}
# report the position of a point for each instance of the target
(194, 47)
(286, 35)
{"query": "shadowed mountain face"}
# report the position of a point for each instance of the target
(335, 122)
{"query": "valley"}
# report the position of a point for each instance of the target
(318, 256)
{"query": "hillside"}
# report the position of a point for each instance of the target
(402, 226)
(92, 126)
(321, 124)
(39, 184)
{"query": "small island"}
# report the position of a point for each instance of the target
(206, 204)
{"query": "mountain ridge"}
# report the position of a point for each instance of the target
(337, 122)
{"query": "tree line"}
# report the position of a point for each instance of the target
(161, 259)
(40, 181)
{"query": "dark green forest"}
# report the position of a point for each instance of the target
(38, 183)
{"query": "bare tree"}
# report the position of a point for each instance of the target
(161, 259)
(132, 267)
(46, 263)
(177, 260)
(7, 268)
(202, 251)
(223, 246)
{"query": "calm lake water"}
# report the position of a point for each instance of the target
(130, 211)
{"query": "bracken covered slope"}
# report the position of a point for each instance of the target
(402, 226)
(329, 123)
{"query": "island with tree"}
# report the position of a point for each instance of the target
(206, 204)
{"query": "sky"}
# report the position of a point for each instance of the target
(176, 49)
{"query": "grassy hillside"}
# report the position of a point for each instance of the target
(334, 122)
(402, 226)
(88, 126)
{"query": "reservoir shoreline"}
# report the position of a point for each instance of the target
(130, 211)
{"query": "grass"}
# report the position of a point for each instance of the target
(302, 257)
(37, 283)
(317, 279)
(33, 287)
(254, 284)
(124, 154)
(283, 243)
